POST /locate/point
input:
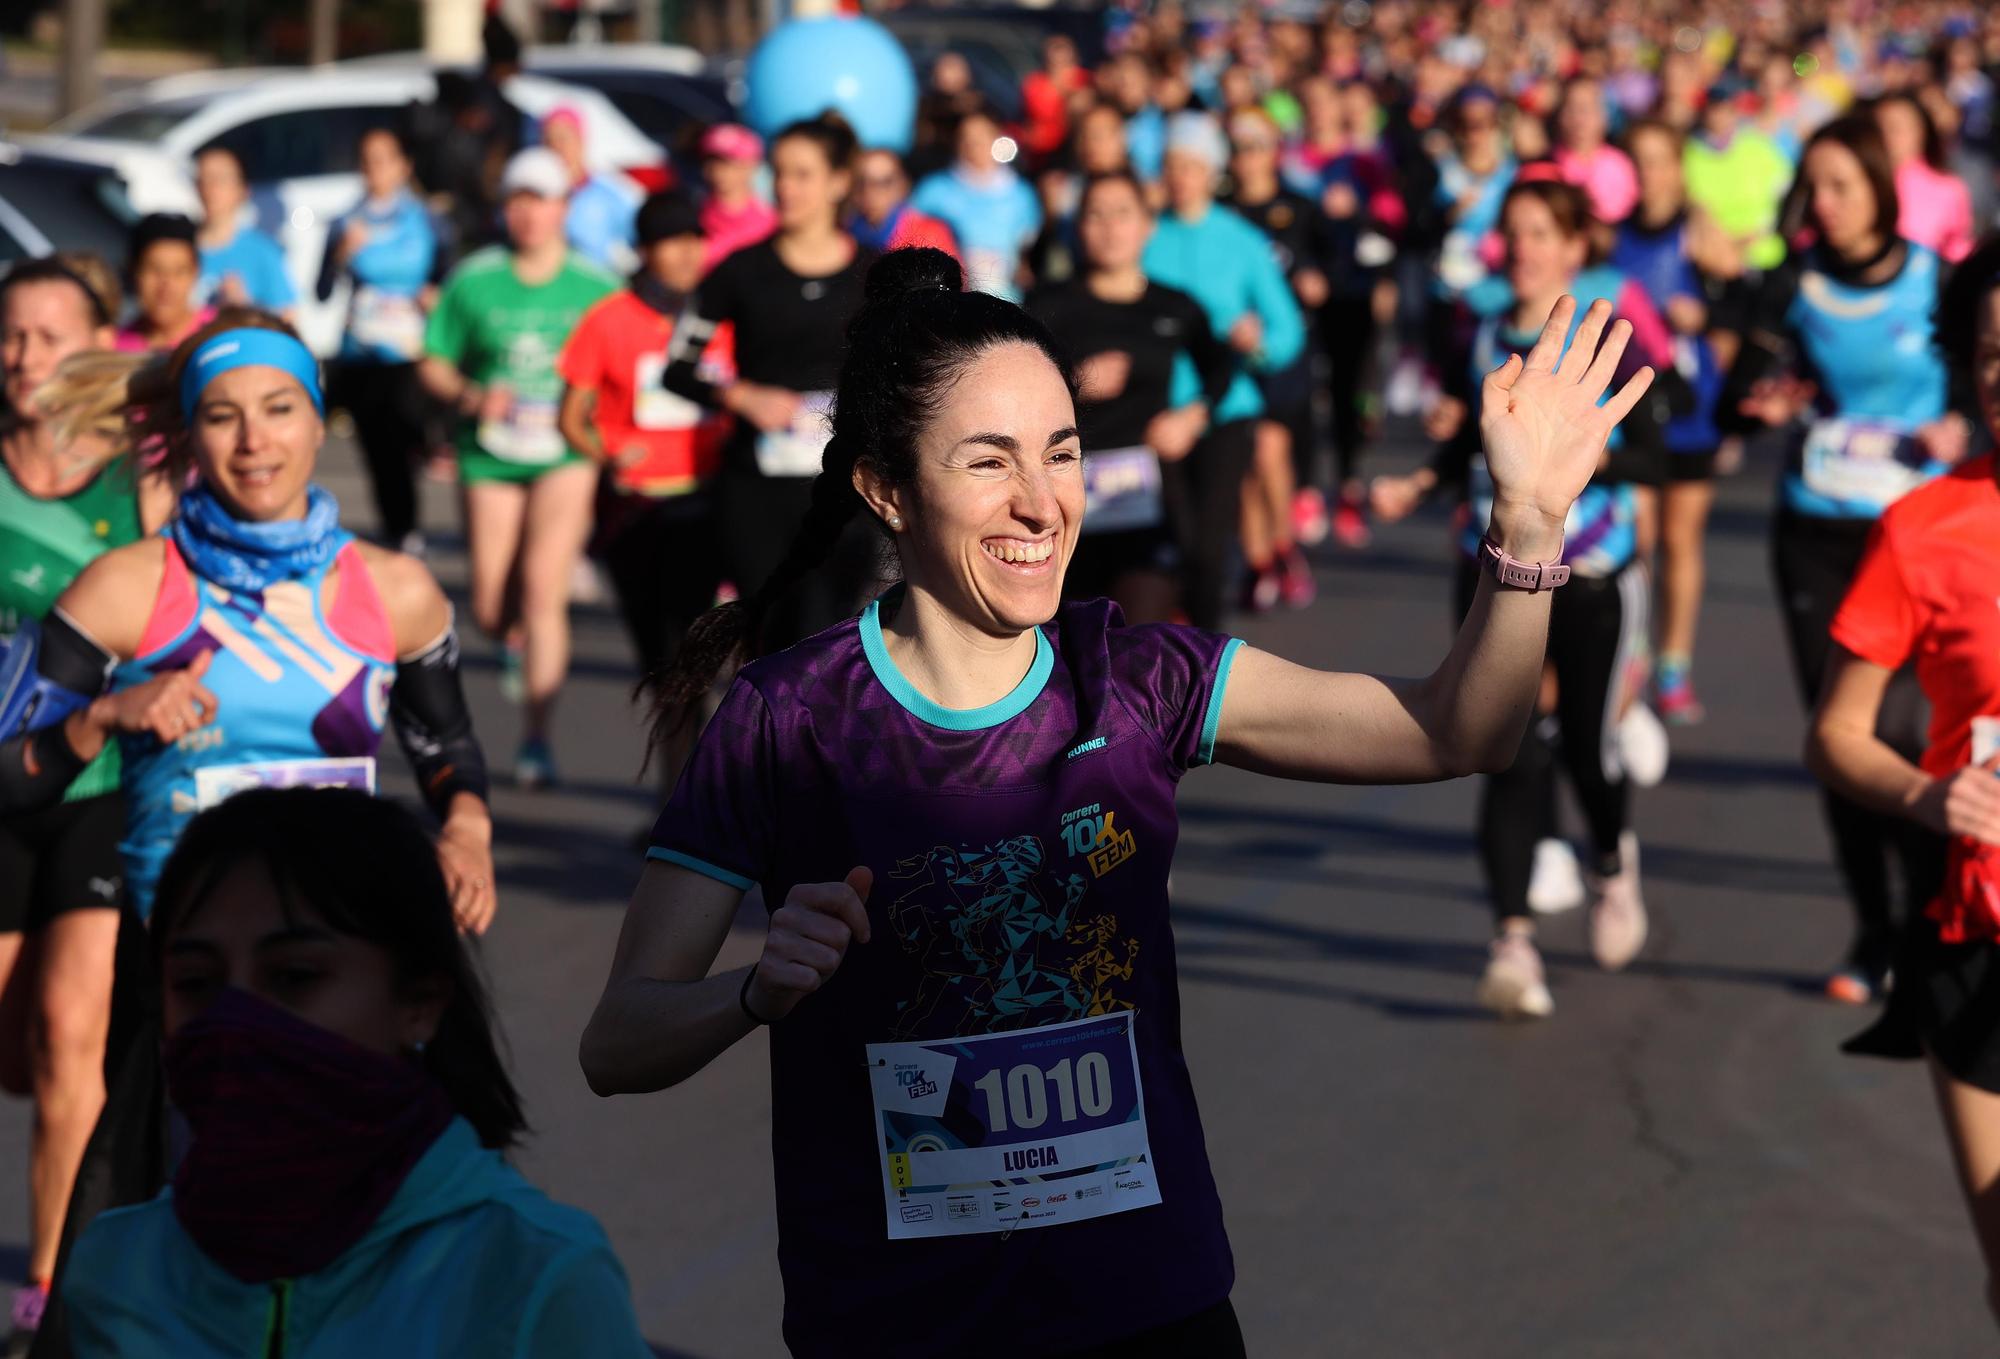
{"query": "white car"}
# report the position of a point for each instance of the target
(297, 133)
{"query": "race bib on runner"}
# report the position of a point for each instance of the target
(386, 321)
(797, 450)
(653, 406)
(1871, 461)
(219, 783)
(527, 435)
(1121, 490)
(1012, 1130)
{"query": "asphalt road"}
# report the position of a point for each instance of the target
(1678, 1163)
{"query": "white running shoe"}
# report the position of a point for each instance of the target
(1617, 915)
(1642, 746)
(1514, 985)
(1557, 883)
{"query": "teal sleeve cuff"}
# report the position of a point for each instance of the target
(701, 866)
(1211, 721)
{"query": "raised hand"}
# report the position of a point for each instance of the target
(1543, 429)
(809, 937)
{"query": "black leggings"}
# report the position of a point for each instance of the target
(663, 563)
(1594, 624)
(1210, 1334)
(387, 404)
(1204, 496)
(1814, 561)
(1348, 325)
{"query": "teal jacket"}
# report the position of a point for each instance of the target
(467, 1259)
(1227, 265)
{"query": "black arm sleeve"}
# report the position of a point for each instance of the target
(329, 267)
(1214, 361)
(1766, 347)
(427, 708)
(705, 311)
(67, 670)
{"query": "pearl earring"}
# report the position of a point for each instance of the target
(895, 521)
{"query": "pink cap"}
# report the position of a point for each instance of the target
(731, 141)
(563, 114)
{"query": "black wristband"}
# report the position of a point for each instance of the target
(743, 999)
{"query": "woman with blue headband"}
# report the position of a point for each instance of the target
(255, 643)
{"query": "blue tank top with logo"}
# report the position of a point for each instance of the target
(302, 695)
(1871, 350)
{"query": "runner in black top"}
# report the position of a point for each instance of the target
(1283, 502)
(789, 299)
(1126, 334)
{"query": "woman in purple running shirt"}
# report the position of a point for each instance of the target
(960, 808)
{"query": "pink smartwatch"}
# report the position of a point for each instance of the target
(1519, 575)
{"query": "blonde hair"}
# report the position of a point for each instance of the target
(86, 397)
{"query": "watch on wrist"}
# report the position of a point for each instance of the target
(1516, 574)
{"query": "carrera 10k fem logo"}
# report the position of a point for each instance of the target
(1094, 833)
(911, 1079)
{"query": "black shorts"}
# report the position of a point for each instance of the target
(1690, 466)
(1212, 1333)
(63, 858)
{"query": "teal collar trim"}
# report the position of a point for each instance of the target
(952, 719)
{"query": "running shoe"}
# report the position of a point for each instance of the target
(1642, 746)
(1309, 516)
(1617, 915)
(1673, 693)
(513, 672)
(1514, 985)
(1261, 590)
(1557, 882)
(1295, 580)
(534, 766)
(1850, 986)
(1350, 524)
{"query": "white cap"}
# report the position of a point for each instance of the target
(536, 170)
(1198, 135)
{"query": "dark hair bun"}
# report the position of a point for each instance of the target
(913, 269)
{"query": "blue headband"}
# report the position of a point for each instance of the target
(244, 349)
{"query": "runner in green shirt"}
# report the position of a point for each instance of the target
(490, 352)
(63, 502)
(1738, 176)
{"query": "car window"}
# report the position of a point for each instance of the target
(146, 123)
(303, 142)
(79, 208)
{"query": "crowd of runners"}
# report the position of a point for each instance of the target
(927, 483)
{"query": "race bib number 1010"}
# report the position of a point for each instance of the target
(1012, 1130)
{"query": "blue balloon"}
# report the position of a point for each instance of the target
(807, 66)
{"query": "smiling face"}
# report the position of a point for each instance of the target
(256, 440)
(41, 324)
(993, 515)
(242, 934)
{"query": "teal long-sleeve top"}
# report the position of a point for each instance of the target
(1227, 265)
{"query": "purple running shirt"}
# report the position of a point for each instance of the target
(1020, 854)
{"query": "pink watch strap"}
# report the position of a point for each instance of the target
(1520, 575)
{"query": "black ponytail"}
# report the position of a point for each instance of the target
(914, 334)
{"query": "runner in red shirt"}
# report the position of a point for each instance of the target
(655, 531)
(1929, 590)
